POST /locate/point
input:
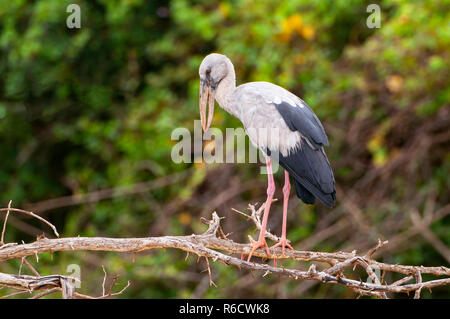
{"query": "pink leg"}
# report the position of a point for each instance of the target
(262, 234)
(286, 190)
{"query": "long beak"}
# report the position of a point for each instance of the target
(206, 97)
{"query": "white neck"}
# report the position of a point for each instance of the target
(224, 92)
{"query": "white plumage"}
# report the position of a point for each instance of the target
(258, 114)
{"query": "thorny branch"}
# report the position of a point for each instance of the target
(214, 245)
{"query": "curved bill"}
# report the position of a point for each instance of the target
(206, 97)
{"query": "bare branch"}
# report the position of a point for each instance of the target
(32, 283)
(421, 225)
(2, 239)
(419, 281)
(9, 209)
(103, 194)
(213, 245)
(373, 250)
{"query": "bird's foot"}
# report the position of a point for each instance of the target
(255, 245)
(283, 243)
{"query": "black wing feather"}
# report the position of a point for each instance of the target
(304, 194)
(308, 165)
(311, 170)
(304, 120)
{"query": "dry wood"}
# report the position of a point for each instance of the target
(212, 244)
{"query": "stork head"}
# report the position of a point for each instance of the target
(213, 69)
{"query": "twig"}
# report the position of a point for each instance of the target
(2, 241)
(14, 293)
(373, 250)
(32, 215)
(107, 193)
(34, 271)
(104, 281)
(425, 231)
(255, 217)
(211, 282)
(83, 296)
(419, 281)
(45, 293)
(402, 281)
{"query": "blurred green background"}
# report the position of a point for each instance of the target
(89, 112)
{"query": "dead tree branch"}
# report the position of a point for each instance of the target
(212, 244)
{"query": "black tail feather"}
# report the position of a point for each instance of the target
(303, 193)
(312, 174)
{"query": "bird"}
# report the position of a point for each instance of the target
(299, 147)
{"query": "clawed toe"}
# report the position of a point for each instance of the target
(255, 245)
(283, 243)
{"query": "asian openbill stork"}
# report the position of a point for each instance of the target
(263, 105)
